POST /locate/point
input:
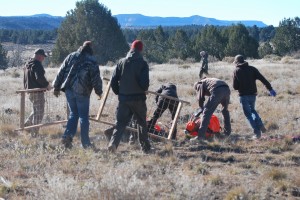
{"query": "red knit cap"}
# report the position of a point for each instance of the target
(137, 44)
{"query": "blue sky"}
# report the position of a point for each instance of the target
(271, 12)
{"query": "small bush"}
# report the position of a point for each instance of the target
(287, 60)
(216, 180)
(15, 74)
(228, 59)
(272, 58)
(237, 193)
(177, 61)
(276, 174)
(203, 169)
(184, 66)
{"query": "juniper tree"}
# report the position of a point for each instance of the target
(92, 21)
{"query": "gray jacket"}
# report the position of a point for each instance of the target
(206, 86)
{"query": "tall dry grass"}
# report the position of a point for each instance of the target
(235, 168)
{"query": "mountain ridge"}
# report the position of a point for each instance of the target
(128, 20)
(49, 22)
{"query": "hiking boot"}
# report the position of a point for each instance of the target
(67, 142)
(112, 148)
(148, 151)
(90, 147)
(263, 129)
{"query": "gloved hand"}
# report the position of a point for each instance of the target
(56, 93)
(272, 93)
(99, 97)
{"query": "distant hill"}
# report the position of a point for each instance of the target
(132, 20)
(37, 22)
(49, 22)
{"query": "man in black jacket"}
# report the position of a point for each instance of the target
(34, 77)
(130, 81)
(78, 75)
(164, 103)
(244, 77)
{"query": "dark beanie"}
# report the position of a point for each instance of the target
(87, 47)
(238, 59)
(137, 44)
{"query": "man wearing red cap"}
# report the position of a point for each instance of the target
(130, 81)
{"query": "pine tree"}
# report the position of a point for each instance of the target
(180, 45)
(3, 58)
(287, 36)
(239, 42)
(211, 41)
(92, 21)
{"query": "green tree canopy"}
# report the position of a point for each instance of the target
(240, 42)
(287, 36)
(155, 44)
(211, 41)
(180, 45)
(92, 21)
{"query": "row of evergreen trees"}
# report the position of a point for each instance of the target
(27, 36)
(91, 20)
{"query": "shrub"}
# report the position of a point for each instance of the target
(237, 193)
(228, 59)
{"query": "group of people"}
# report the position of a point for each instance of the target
(79, 74)
(218, 92)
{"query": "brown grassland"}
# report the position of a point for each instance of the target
(233, 168)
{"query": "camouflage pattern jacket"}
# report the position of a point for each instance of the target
(80, 73)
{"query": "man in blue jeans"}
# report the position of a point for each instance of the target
(244, 77)
(78, 75)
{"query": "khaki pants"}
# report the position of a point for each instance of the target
(38, 103)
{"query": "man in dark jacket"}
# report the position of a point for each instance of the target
(78, 75)
(244, 77)
(34, 77)
(219, 93)
(204, 67)
(130, 81)
(164, 103)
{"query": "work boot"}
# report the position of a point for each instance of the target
(263, 129)
(67, 142)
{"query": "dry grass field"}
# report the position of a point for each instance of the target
(234, 168)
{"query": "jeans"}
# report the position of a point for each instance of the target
(125, 111)
(248, 104)
(79, 109)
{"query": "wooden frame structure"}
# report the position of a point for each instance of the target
(104, 98)
(99, 113)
